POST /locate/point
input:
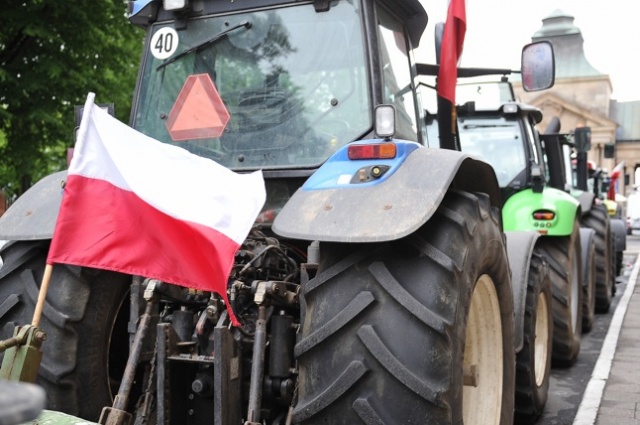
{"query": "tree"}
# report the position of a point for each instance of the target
(51, 55)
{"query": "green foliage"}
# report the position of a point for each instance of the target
(52, 54)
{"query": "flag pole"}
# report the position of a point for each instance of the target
(37, 314)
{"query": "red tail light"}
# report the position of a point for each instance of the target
(373, 151)
(544, 215)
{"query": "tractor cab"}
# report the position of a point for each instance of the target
(494, 127)
(274, 85)
(505, 137)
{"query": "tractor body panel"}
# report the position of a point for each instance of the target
(330, 206)
(520, 248)
(33, 215)
(518, 212)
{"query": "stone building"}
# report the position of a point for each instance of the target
(581, 96)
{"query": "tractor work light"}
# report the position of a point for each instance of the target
(175, 4)
(510, 108)
(385, 124)
(372, 151)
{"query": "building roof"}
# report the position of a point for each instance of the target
(626, 114)
(566, 38)
(568, 45)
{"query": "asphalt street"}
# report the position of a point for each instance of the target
(568, 386)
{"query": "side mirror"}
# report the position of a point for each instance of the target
(538, 66)
(582, 139)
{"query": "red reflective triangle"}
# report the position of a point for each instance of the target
(198, 112)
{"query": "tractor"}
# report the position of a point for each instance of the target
(495, 127)
(604, 186)
(377, 285)
(569, 169)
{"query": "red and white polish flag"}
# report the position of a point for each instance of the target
(138, 206)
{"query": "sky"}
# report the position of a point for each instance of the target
(498, 29)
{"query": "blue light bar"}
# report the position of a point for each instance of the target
(142, 12)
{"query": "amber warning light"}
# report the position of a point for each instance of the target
(373, 151)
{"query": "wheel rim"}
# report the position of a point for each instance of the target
(483, 357)
(541, 350)
(575, 287)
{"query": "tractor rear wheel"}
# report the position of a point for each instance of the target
(533, 362)
(87, 338)
(598, 219)
(418, 330)
(563, 255)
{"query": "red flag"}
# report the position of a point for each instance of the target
(451, 50)
(134, 205)
(614, 176)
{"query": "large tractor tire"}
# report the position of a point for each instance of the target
(533, 362)
(588, 280)
(598, 219)
(563, 256)
(418, 330)
(87, 339)
(619, 243)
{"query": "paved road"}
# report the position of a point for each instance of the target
(567, 386)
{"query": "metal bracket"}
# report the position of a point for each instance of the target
(23, 354)
(322, 5)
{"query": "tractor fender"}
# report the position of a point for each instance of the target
(586, 235)
(619, 231)
(519, 249)
(330, 208)
(33, 215)
(518, 212)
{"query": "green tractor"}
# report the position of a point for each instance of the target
(378, 284)
(495, 128)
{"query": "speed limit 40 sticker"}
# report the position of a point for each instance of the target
(164, 43)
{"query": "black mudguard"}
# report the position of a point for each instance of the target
(519, 249)
(33, 216)
(586, 200)
(619, 231)
(390, 210)
(586, 235)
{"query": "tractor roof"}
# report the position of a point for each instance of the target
(144, 12)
